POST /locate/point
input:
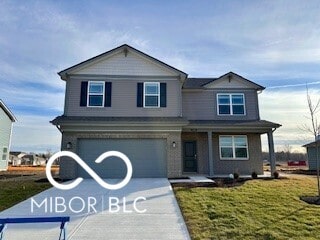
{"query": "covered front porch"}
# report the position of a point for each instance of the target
(202, 151)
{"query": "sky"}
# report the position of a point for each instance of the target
(273, 43)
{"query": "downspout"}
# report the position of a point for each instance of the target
(257, 108)
(9, 147)
(317, 161)
(181, 102)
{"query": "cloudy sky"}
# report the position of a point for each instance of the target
(273, 43)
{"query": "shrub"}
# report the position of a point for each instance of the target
(276, 174)
(219, 182)
(254, 175)
(236, 176)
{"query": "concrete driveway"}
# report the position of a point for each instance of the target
(95, 213)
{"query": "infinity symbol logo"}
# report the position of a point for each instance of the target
(76, 182)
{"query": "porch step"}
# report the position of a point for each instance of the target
(201, 179)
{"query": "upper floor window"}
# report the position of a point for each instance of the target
(151, 94)
(231, 104)
(96, 94)
(233, 147)
(4, 153)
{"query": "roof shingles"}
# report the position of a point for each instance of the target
(191, 83)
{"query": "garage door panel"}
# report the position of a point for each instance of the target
(148, 157)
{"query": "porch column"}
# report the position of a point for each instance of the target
(272, 157)
(210, 153)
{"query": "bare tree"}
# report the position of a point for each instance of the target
(48, 153)
(287, 150)
(314, 129)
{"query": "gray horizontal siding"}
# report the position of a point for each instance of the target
(124, 100)
(240, 166)
(202, 105)
(5, 132)
(130, 64)
(312, 159)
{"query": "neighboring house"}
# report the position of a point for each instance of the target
(169, 125)
(15, 158)
(6, 120)
(312, 153)
(26, 159)
(33, 160)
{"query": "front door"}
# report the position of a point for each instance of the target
(190, 156)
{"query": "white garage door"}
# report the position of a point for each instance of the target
(148, 157)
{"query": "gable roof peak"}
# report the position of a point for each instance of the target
(125, 47)
(230, 75)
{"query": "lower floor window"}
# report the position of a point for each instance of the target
(233, 147)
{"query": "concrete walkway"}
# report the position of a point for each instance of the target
(97, 218)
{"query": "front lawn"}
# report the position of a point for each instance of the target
(259, 209)
(16, 190)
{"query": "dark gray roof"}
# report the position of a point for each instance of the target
(312, 144)
(16, 153)
(70, 119)
(258, 126)
(196, 82)
(236, 123)
(199, 83)
(210, 124)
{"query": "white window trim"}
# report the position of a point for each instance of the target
(234, 148)
(103, 92)
(144, 94)
(231, 109)
(7, 153)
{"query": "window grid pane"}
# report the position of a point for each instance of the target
(95, 100)
(241, 153)
(226, 141)
(151, 101)
(96, 88)
(152, 89)
(224, 109)
(237, 99)
(224, 99)
(226, 152)
(238, 109)
(240, 141)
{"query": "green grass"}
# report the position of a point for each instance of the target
(259, 209)
(15, 191)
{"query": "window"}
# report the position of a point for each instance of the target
(96, 94)
(151, 94)
(231, 104)
(4, 153)
(233, 147)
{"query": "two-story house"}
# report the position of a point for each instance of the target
(6, 120)
(168, 125)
